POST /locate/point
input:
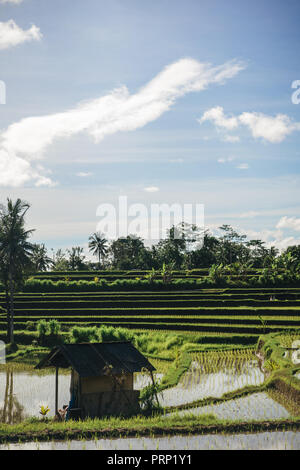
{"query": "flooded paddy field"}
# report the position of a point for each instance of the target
(23, 393)
(210, 375)
(286, 440)
(257, 406)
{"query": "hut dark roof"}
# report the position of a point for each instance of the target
(92, 359)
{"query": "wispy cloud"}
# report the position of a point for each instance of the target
(151, 189)
(24, 142)
(15, 2)
(12, 35)
(249, 215)
(231, 138)
(225, 159)
(83, 174)
(273, 129)
(242, 166)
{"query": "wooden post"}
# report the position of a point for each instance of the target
(154, 387)
(56, 391)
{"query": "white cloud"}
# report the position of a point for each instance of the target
(243, 166)
(289, 222)
(284, 243)
(273, 129)
(12, 35)
(82, 174)
(176, 160)
(151, 189)
(26, 141)
(217, 116)
(277, 237)
(248, 215)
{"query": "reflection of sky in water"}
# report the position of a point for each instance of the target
(287, 440)
(196, 384)
(32, 390)
(142, 380)
(258, 406)
(2, 352)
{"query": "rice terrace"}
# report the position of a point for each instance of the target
(149, 228)
(113, 358)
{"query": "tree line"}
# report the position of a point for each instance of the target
(181, 249)
(177, 252)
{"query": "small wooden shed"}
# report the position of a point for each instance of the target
(101, 377)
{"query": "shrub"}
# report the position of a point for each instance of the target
(109, 333)
(54, 327)
(30, 326)
(42, 328)
(84, 334)
(149, 398)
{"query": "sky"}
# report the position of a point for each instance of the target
(188, 102)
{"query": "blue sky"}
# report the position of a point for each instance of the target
(246, 171)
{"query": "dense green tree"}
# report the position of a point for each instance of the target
(60, 262)
(205, 255)
(76, 258)
(231, 246)
(294, 250)
(170, 251)
(129, 253)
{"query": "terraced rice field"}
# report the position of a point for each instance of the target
(207, 311)
(213, 374)
(210, 375)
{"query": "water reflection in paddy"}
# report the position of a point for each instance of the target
(205, 381)
(287, 440)
(23, 393)
(258, 406)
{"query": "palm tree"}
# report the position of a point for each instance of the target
(15, 254)
(98, 246)
(40, 259)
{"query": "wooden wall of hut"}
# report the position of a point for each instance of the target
(117, 403)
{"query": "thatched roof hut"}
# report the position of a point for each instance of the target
(101, 377)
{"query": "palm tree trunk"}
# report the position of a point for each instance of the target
(99, 261)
